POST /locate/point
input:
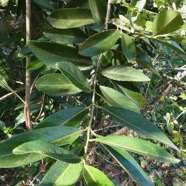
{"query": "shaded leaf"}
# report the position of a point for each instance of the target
(46, 149)
(124, 73)
(67, 36)
(69, 117)
(129, 164)
(99, 43)
(139, 124)
(62, 174)
(166, 21)
(51, 53)
(117, 99)
(34, 65)
(98, 9)
(56, 85)
(128, 47)
(95, 177)
(45, 4)
(73, 73)
(138, 146)
(70, 18)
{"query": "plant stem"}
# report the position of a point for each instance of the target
(27, 80)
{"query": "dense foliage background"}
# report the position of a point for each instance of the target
(107, 93)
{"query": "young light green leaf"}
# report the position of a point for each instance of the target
(47, 149)
(73, 73)
(70, 18)
(139, 124)
(117, 99)
(62, 174)
(129, 164)
(99, 43)
(166, 21)
(56, 85)
(66, 36)
(71, 117)
(57, 135)
(128, 47)
(98, 9)
(95, 177)
(138, 146)
(34, 65)
(138, 4)
(124, 73)
(51, 53)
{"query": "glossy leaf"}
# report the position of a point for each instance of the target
(70, 18)
(95, 177)
(56, 85)
(98, 10)
(73, 73)
(139, 124)
(46, 149)
(117, 99)
(34, 65)
(129, 164)
(129, 48)
(166, 21)
(99, 43)
(68, 117)
(124, 73)
(138, 4)
(56, 135)
(138, 146)
(62, 174)
(51, 53)
(67, 36)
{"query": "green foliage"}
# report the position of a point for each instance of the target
(90, 54)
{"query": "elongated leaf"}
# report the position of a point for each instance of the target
(124, 73)
(144, 59)
(129, 48)
(171, 44)
(73, 73)
(62, 174)
(95, 177)
(56, 85)
(139, 124)
(99, 43)
(129, 164)
(45, 4)
(68, 117)
(138, 146)
(166, 22)
(67, 36)
(46, 149)
(51, 53)
(34, 65)
(56, 135)
(98, 9)
(116, 99)
(70, 18)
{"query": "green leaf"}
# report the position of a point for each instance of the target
(166, 22)
(56, 85)
(62, 174)
(117, 99)
(70, 18)
(45, 4)
(128, 47)
(98, 9)
(124, 73)
(34, 65)
(71, 117)
(95, 177)
(139, 124)
(51, 53)
(67, 36)
(138, 4)
(129, 164)
(99, 43)
(57, 135)
(47, 149)
(73, 73)
(144, 59)
(138, 146)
